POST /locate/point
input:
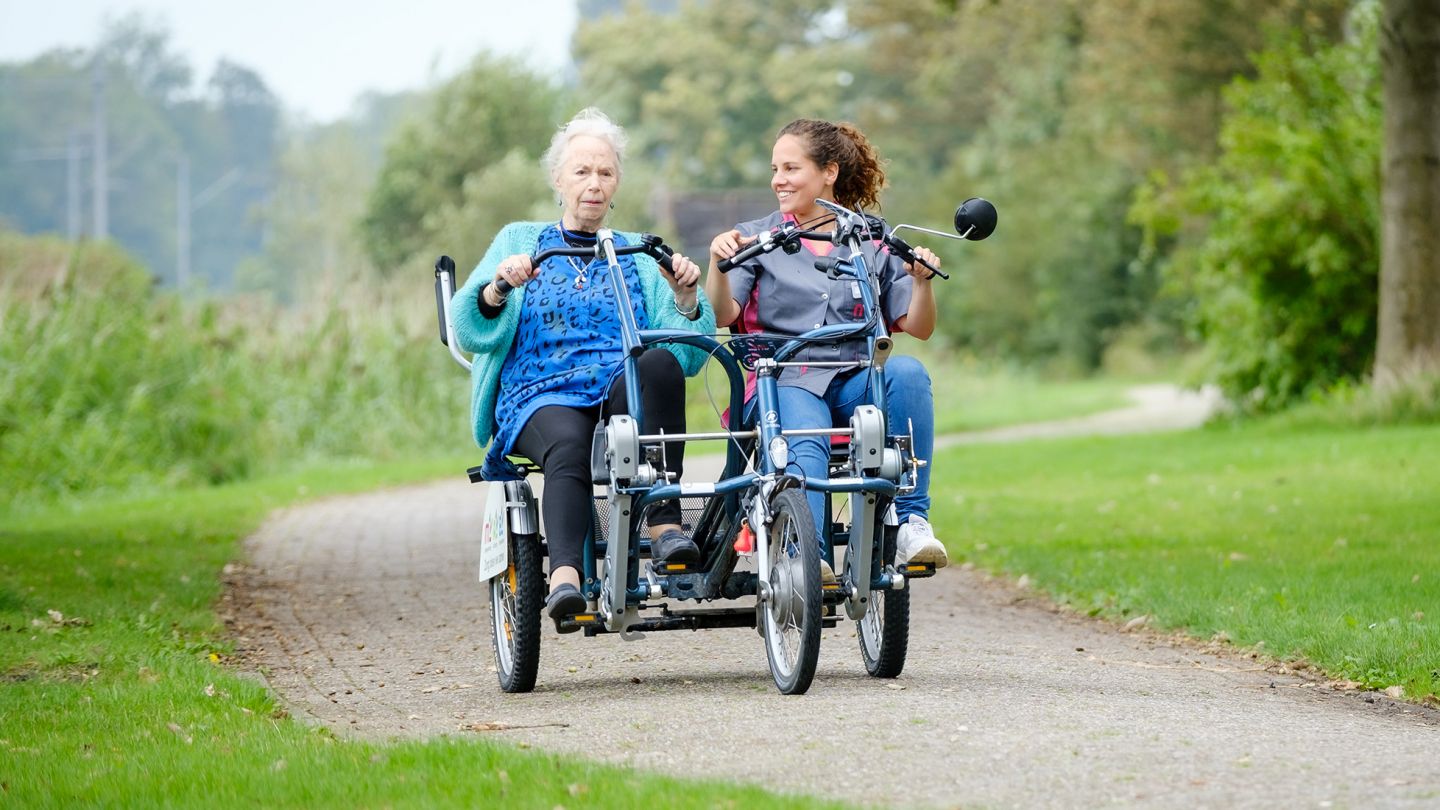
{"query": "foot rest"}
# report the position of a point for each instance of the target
(916, 570)
(583, 620)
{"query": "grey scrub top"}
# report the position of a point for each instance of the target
(790, 296)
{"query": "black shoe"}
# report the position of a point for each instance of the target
(565, 601)
(674, 548)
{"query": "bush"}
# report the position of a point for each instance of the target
(1282, 255)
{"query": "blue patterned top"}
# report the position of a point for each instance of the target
(492, 338)
(568, 347)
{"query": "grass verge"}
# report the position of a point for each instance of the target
(113, 689)
(1321, 543)
(967, 397)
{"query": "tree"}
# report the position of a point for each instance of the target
(1409, 313)
(475, 121)
(703, 99)
(1057, 110)
(1279, 238)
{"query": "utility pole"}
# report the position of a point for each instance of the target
(72, 185)
(185, 205)
(182, 223)
(100, 187)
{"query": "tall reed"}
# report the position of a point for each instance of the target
(108, 384)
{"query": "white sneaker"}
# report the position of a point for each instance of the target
(827, 574)
(916, 543)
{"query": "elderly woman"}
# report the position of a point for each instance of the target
(551, 352)
(781, 293)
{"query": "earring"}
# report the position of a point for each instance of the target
(560, 203)
(612, 205)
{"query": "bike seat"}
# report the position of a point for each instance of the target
(510, 468)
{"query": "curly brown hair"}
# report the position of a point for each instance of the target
(862, 173)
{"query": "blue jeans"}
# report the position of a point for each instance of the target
(909, 406)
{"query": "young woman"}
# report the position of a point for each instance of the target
(782, 293)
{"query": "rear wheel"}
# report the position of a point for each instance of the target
(791, 615)
(884, 630)
(516, 596)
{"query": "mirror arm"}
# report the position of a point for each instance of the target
(897, 228)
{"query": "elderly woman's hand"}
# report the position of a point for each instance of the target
(683, 279)
(517, 270)
(685, 274)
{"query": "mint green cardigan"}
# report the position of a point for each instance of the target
(489, 339)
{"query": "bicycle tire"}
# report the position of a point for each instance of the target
(884, 630)
(791, 615)
(516, 597)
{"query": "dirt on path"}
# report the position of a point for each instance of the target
(364, 614)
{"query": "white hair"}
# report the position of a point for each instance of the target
(589, 121)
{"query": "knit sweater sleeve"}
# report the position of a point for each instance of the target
(473, 331)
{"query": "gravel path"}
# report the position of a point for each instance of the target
(363, 614)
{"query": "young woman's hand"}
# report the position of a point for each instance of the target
(920, 271)
(727, 244)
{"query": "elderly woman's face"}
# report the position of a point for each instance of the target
(589, 175)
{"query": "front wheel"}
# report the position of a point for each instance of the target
(516, 597)
(884, 630)
(791, 615)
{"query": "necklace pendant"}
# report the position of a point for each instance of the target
(580, 282)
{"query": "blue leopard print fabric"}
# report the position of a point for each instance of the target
(567, 348)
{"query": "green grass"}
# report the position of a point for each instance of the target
(967, 396)
(113, 688)
(1314, 543)
(971, 400)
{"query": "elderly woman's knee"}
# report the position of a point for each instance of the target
(661, 365)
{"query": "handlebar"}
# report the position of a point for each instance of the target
(788, 236)
(650, 244)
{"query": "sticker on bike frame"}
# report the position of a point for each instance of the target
(697, 489)
(494, 534)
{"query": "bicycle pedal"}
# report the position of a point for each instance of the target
(830, 586)
(917, 570)
(673, 568)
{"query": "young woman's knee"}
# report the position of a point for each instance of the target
(906, 371)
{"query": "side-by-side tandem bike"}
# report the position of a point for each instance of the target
(759, 556)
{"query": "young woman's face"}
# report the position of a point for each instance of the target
(796, 180)
(589, 175)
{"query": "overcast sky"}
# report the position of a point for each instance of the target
(316, 55)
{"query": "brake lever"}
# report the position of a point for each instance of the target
(907, 254)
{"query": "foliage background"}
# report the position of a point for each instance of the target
(1194, 175)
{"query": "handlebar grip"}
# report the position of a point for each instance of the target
(828, 265)
(726, 265)
(502, 286)
(932, 268)
(444, 267)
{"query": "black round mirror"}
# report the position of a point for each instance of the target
(975, 219)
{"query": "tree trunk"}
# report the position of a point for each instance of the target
(1409, 340)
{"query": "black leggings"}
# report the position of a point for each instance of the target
(558, 439)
